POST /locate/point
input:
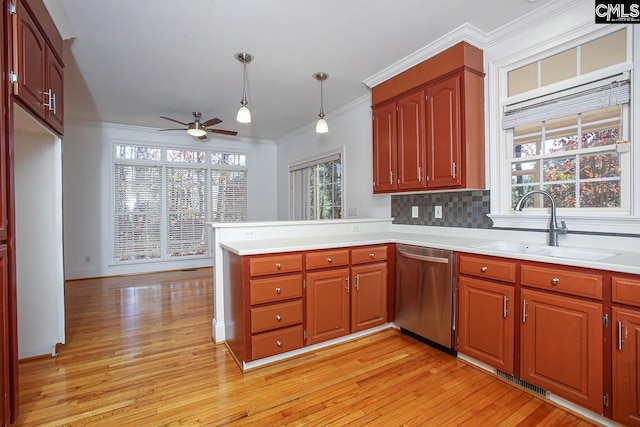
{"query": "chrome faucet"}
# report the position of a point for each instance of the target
(554, 228)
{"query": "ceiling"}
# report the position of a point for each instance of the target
(130, 62)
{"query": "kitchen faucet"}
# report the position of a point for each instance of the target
(554, 229)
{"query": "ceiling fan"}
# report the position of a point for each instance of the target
(199, 129)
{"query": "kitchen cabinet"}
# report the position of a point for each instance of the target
(369, 274)
(275, 303)
(327, 304)
(562, 339)
(431, 137)
(486, 311)
(5, 378)
(39, 73)
(625, 320)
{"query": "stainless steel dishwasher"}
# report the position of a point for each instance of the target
(425, 294)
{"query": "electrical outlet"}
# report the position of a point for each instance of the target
(414, 212)
(87, 259)
(249, 233)
(355, 227)
(437, 212)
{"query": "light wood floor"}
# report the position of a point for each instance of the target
(139, 353)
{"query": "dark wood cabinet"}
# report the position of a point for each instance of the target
(487, 323)
(39, 73)
(5, 379)
(368, 296)
(410, 140)
(328, 303)
(384, 148)
(626, 366)
(444, 134)
(431, 136)
(562, 346)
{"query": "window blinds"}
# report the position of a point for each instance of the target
(228, 195)
(186, 211)
(566, 103)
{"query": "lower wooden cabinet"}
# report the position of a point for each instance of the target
(368, 296)
(626, 366)
(561, 348)
(486, 322)
(327, 304)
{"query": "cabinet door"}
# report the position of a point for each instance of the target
(443, 134)
(327, 304)
(5, 374)
(54, 114)
(626, 362)
(368, 296)
(561, 347)
(411, 145)
(30, 62)
(486, 322)
(384, 148)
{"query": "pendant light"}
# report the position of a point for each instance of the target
(321, 125)
(244, 115)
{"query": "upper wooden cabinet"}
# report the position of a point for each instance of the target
(428, 128)
(38, 70)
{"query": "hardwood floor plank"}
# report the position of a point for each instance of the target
(139, 353)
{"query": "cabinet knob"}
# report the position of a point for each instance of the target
(329, 259)
(483, 269)
(278, 265)
(371, 255)
(278, 317)
(279, 343)
(555, 281)
(278, 291)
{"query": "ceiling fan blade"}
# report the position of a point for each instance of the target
(211, 122)
(222, 131)
(173, 120)
(162, 130)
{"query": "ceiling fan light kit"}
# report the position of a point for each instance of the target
(199, 129)
(244, 115)
(321, 125)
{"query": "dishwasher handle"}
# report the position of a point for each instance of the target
(426, 258)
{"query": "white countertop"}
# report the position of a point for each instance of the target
(627, 261)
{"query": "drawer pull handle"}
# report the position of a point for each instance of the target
(278, 290)
(329, 259)
(483, 269)
(278, 265)
(555, 281)
(371, 255)
(279, 343)
(278, 317)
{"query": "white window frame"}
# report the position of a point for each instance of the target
(164, 163)
(295, 199)
(619, 221)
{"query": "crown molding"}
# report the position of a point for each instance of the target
(466, 32)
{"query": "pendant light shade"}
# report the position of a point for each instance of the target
(321, 125)
(244, 115)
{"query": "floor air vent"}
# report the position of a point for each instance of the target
(542, 392)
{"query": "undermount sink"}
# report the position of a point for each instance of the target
(521, 248)
(552, 251)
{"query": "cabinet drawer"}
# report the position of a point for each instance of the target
(276, 342)
(571, 282)
(332, 258)
(625, 290)
(276, 288)
(488, 268)
(370, 254)
(276, 316)
(260, 266)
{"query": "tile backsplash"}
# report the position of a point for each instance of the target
(464, 209)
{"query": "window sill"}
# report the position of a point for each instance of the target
(613, 223)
